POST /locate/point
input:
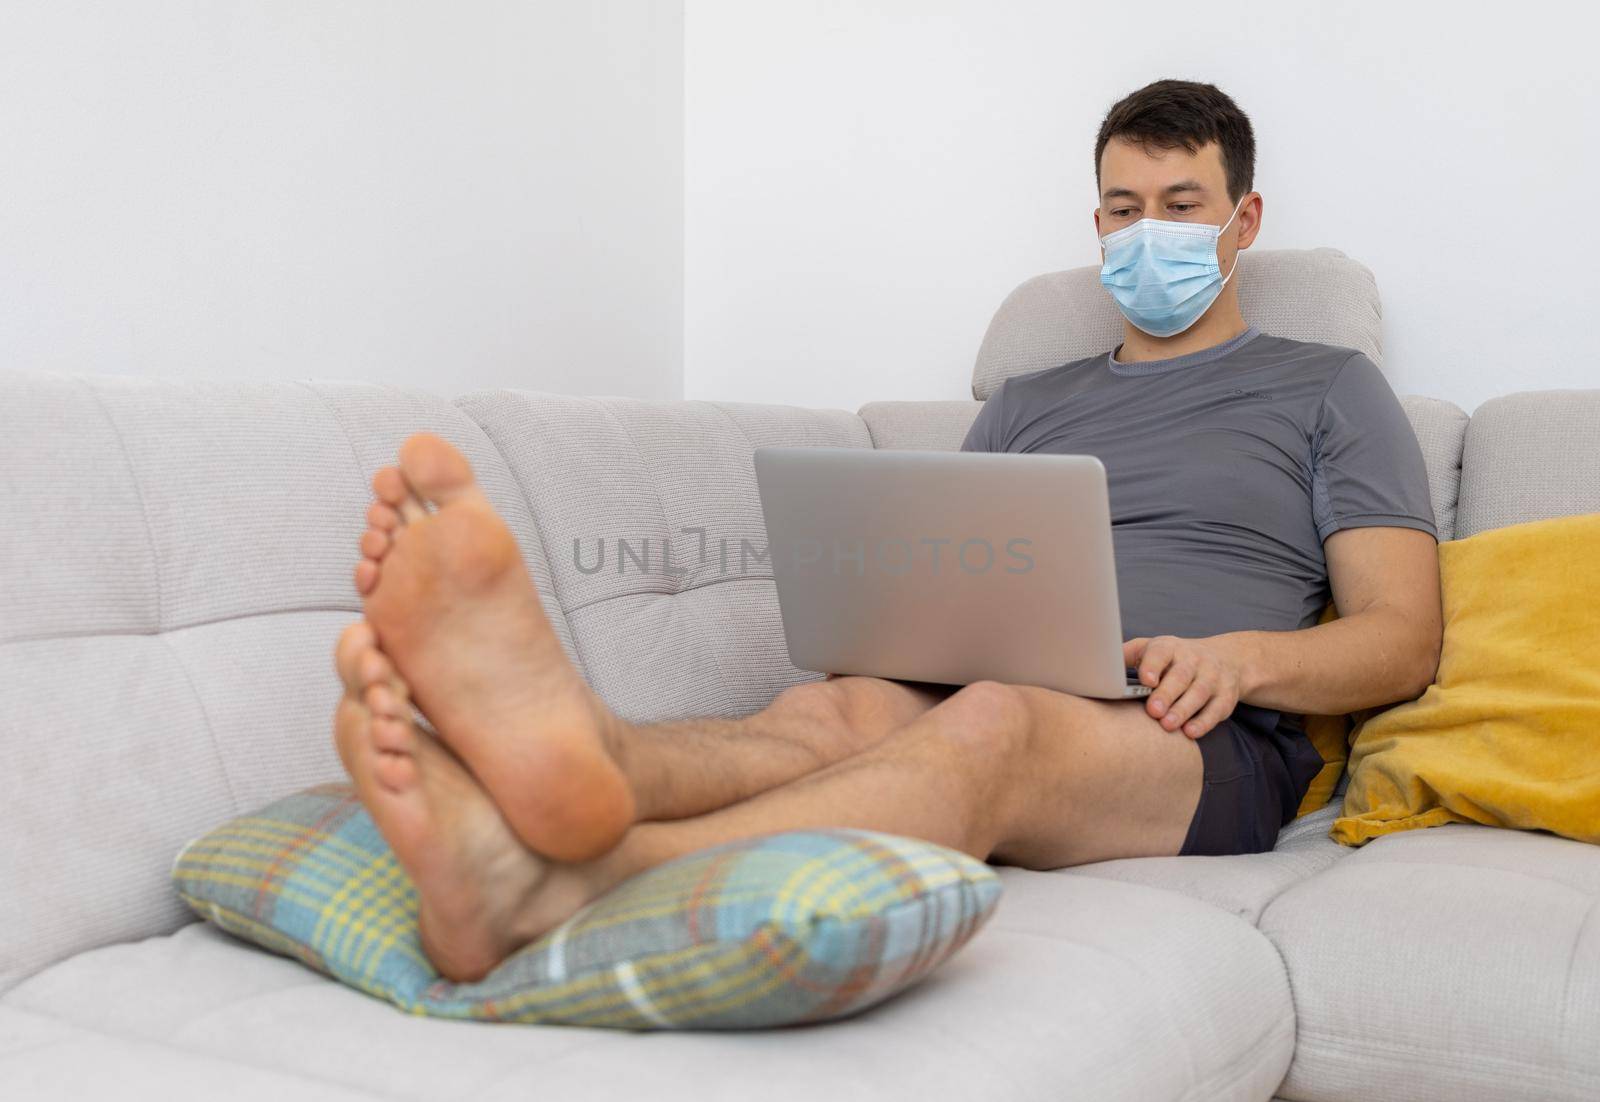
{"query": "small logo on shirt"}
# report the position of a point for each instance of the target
(1237, 393)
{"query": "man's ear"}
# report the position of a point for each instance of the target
(1249, 219)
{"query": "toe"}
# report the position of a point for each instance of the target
(393, 735)
(381, 700)
(372, 667)
(435, 468)
(377, 752)
(353, 642)
(382, 517)
(351, 722)
(396, 494)
(366, 576)
(390, 486)
(396, 772)
(374, 543)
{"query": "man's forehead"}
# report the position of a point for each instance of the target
(1128, 168)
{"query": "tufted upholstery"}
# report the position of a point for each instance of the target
(181, 564)
(654, 643)
(181, 556)
(1528, 456)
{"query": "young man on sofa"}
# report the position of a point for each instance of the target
(1250, 477)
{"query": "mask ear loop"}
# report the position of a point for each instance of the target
(1224, 226)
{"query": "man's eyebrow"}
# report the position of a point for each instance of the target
(1127, 193)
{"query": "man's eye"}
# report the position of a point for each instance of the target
(1184, 208)
(1122, 212)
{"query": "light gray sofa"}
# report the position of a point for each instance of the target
(176, 563)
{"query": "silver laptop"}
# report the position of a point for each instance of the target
(949, 567)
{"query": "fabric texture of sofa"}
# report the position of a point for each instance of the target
(175, 565)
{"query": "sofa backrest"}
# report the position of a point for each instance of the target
(1305, 294)
(176, 562)
(694, 630)
(1529, 456)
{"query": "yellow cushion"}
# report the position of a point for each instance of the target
(1509, 733)
(1329, 734)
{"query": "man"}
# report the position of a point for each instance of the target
(1250, 477)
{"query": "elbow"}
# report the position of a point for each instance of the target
(1426, 667)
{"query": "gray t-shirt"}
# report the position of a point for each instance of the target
(1227, 469)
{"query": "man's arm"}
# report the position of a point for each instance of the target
(1383, 647)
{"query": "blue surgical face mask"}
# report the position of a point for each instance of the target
(1164, 275)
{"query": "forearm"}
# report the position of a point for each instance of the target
(1374, 657)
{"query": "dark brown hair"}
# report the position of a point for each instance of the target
(1172, 113)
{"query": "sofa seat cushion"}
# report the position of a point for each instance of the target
(1077, 986)
(1457, 962)
(43, 1057)
(1242, 884)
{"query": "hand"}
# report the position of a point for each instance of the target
(1195, 682)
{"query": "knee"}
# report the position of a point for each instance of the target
(991, 716)
(818, 702)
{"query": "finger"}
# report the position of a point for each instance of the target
(1216, 710)
(1133, 650)
(1193, 699)
(1157, 657)
(1174, 683)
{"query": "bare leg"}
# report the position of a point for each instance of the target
(1011, 774)
(1018, 776)
(483, 893)
(454, 609)
(695, 766)
(1022, 776)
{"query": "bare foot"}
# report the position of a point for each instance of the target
(483, 894)
(455, 610)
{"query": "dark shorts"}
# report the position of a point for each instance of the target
(1258, 765)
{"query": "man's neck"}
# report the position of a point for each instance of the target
(1221, 323)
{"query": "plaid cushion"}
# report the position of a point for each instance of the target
(791, 927)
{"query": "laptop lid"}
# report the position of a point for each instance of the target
(942, 566)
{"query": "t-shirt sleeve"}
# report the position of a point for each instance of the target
(1367, 468)
(989, 432)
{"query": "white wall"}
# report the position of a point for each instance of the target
(866, 182)
(818, 202)
(444, 195)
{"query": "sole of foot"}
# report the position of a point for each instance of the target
(482, 893)
(447, 593)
